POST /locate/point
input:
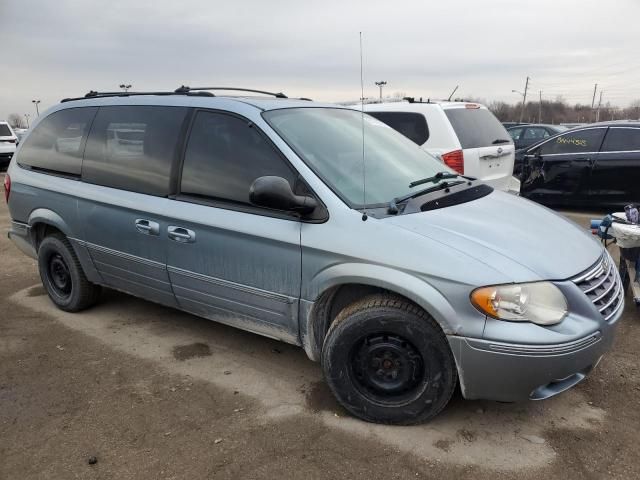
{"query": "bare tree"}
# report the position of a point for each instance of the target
(17, 121)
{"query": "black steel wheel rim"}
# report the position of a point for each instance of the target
(387, 368)
(59, 275)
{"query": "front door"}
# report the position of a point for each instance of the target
(558, 170)
(227, 259)
(615, 179)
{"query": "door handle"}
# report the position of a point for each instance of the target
(147, 227)
(182, 235)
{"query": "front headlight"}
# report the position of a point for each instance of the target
(541, 302)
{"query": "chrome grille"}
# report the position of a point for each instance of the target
(602, 284)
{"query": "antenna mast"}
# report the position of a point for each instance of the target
(364, 171)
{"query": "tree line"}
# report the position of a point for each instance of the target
(560, 111)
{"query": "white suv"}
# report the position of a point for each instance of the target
(467, 137)
(8, 141)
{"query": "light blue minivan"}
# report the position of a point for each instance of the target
(319, 226)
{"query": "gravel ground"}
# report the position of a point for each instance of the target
(154, 393)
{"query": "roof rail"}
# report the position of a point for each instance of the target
(94, 94)
(184, 89)
(413, 100)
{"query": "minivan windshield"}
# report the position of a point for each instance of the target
(476, 127)
(330, 141)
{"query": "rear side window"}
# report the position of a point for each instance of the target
(411, 125)
(57, 142)
(5, 131)
(535, 134)
(224, 156)
(622, 140)
(515, 133)
(133, 147)
(476, 127)
(574, 142)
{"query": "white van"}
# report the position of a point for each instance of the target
(465, 136)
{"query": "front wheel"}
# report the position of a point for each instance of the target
(387, 361)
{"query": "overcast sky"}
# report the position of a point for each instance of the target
(58, 48)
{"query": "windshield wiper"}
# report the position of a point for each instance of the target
(500, 140)
(438, 176)
(393, 204)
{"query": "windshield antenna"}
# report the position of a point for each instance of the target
(364, 171)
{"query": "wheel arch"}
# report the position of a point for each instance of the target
(342, 285)
(42, 221)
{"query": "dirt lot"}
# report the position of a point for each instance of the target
(154, 393)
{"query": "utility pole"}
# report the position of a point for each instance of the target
(598, 110)
(125, 87)
(540, 108)
(380, 84)
(524, 99)
(36, 102)
(593, 101)
(454, 91)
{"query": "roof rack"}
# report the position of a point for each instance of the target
(413, 100)
(185, 89)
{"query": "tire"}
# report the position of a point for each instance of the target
(63, 277)
(387, 361)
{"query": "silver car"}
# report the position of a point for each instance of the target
(318, 226)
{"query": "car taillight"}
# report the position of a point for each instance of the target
(454, 160)
(7, 187)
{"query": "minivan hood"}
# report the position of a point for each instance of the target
(522, 239)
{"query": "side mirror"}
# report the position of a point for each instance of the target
(275, 192)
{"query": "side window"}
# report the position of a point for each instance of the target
(224, 156)
(57, 142)
(515, 133)
(133, 147)
(535, 134)
(411, 125)
(622, 140)
(575, 142)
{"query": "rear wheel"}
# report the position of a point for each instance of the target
(387, 361)
(63, 277)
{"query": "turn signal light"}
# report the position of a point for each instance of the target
(454, 160)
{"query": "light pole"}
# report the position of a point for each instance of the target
(125, 87)
(26, 115)
(524, 97)
(381, 84)
(36, 102)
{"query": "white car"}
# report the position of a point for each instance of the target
(8, 142)
(467, 137)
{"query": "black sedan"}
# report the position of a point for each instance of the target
(595, 166)
(526, 135)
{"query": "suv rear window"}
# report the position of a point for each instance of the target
(4, 130)
(622, 140)
(133, 148)
(411, 125)
(476, 127)
(57, 142)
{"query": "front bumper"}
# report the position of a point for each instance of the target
(513, 372)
